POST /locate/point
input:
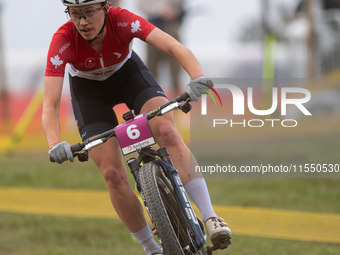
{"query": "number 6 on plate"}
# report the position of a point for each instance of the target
(134, 134)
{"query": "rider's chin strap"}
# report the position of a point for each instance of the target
(102, 30)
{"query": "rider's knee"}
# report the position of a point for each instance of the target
(114, 179)
(168, 136)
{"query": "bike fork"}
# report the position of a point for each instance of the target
(134, 168)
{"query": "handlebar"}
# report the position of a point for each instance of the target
(77, 147)
(81, 149)
(183, 97)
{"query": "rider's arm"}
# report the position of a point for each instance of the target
(170, 46)
(50, 114)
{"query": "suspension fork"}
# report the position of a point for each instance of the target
(147, 155)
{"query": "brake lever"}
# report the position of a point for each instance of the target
(186, 106)
(83, 156)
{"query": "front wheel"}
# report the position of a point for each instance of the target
(172, 228)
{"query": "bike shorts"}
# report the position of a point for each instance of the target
(92, 100)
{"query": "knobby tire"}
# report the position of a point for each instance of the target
(163, 208)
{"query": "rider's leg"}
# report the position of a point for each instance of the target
(92, 103)
(198, 192)
(145, 239)
(110, 163)
(166, 134)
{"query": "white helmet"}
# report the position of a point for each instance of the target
(81, 2)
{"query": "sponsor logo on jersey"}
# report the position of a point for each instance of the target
(62, 49)
(117, 54)
(56, 61)
(135, 26)
(102, 73)
(83, 136)
(160, 92)
(122, 24)
(90, 62)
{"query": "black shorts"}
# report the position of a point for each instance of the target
(93, 101)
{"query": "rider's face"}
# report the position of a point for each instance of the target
(90, 26)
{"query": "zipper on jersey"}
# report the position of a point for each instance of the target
(101, 61)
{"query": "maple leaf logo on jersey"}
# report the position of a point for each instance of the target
(56, 61)
(135, 26)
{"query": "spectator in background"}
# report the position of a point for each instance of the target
(168, 16)
(114, 2)
(326, 15)
(325, 4)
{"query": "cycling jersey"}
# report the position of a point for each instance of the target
(92, 100)
(68, 46)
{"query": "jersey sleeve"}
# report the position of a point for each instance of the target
(59, 54)
(129, 25)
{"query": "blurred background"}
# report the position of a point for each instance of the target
(257, 39)
(231, 39)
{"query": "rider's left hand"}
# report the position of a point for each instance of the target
(195, 87)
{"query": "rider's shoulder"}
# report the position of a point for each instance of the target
(67, 28)
(65, 33)
(119, 12)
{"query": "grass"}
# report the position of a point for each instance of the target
(305, 150)
(316, 195)
(41, 173)
(39, 235)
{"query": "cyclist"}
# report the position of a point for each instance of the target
(104, 71)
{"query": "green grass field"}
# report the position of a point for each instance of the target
(24, 234)
(34, 235)
(41, 235)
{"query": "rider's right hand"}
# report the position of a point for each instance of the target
(61, 152)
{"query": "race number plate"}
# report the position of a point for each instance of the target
(134, 134)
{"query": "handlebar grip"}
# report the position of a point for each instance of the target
(184, 96)
(77, 147)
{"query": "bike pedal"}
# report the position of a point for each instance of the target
(219, 246)
(224, 244)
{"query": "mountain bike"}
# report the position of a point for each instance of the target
(178, 229)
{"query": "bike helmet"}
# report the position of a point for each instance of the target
(82, 2)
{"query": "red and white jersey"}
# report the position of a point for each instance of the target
(68, 46)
